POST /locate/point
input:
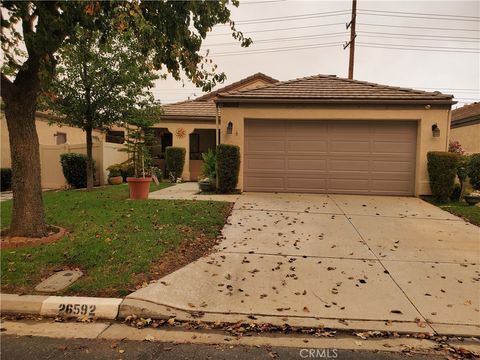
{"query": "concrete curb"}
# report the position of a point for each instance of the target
(119, 309)
(66, 306)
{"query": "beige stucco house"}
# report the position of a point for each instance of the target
(48, 134)
(465, 127)
(319, 134)
(55, 140)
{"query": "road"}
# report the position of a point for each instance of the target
(42, 348)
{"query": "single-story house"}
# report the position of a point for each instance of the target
(318, 134)
(191, 124)
(465, 127)
(48, 134)
(55, 139)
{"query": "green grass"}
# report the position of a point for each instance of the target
(110, 238)
(459, 208)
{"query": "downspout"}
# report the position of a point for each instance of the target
(217, 125)
(449, 122)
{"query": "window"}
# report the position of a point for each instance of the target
(61, 138)
(117, 137)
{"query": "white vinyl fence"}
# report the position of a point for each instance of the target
(104, 154)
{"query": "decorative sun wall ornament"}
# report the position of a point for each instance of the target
(180, 133)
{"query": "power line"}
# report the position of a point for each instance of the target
(419, 48)
(288, 48)
(414, 17)
(424, 35)
(283, 29)
(420, 38)
(418, 27)
(418, 13)
(293, 38)
(291, 17)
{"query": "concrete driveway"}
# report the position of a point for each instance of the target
(340, 261)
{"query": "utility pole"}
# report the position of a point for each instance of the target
(353, 35)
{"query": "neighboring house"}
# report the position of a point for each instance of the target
(55, 140)
(319, 134)
(465, 127)
(48, 134)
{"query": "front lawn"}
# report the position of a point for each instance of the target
(459, 208)
(114, 241)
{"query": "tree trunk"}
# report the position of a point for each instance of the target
(28, 217)
(88, 132)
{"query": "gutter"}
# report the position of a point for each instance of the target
(333, 101)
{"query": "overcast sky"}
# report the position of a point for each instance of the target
(297, 38)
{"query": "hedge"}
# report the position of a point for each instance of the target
(175, 161)
(442, 171)
(5, 179)
(473, 171)
(74, 167)
(228, 167)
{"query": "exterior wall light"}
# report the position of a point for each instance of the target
(435, 130)
(229, 128)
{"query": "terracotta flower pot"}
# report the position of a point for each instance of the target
(139, 187)
(115, 180)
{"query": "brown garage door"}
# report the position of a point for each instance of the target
(353, 157)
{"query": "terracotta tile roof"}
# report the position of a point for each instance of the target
(189, 109)
(466, 112)
(332, 89)
(258, 76)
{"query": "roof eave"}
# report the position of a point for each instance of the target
(233, 99)
(187, 117)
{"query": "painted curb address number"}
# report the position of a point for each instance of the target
(77, 309)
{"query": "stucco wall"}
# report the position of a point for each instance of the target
(424, 117)
(468, 136)
(46, 136)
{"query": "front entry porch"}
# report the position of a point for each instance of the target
(196, 139)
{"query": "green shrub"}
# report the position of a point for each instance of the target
(442, 170)
(473, 171)
(175, 161)
(74, 167)
(124, 170)
(5, 179)
(228, 167)
(209, 167)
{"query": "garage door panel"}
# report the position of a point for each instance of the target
(300, 184)
(264, 128)
(349, 165)
(307, 164)
(307, 145)
(303, 128)
(264, 145)
(358, 186)
(264, 163)
(402, 166)
(385, 186)
(261, 183)
(351, 157)
(389, 147)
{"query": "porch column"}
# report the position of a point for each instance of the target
(181, 138)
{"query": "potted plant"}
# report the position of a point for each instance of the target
(207, 183)
(115, 174)
(473, 198)
(137, 125)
